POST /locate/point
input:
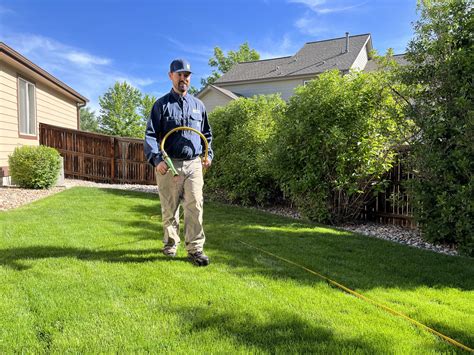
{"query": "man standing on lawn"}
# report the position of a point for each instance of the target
(178, 108)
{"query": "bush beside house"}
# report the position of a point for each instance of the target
(34, 167)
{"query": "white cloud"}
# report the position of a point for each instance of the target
(310, 26)
(338, 9)
(81, 58)
(275, 49)
(317, 6)
(312, 22)
(135, 82)
(34, 44)
(88, 74)
(203, 53)
(312, 4)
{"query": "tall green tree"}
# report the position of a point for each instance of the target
(146, 105)
(88, 120)
(223, 63)
(441, 56)
(120, 112)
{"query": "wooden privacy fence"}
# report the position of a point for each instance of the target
(393, 205)
(102, 158)
(98, 157)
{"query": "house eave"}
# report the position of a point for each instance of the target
(18, 61)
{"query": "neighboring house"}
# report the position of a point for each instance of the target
(214, 96)
(29, 96)
(282, 75)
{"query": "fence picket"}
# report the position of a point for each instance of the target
(98, 157)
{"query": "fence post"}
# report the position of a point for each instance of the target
(112, 159)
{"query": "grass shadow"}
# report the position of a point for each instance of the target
(13, 257)
(276, 332)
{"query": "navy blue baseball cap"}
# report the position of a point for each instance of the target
(179, 65)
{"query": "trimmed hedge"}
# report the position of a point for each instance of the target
(242, 131)
(34, 167)
(336, 141)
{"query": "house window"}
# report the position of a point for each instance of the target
(306, 82)
(27, 107)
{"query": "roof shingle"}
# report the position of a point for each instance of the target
(313, 58)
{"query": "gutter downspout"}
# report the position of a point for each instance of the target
(79, 105)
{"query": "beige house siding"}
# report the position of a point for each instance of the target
(213, 99)
(284, 87)
(9, 114)
(361, 60)
(51, 108)
(55, 109)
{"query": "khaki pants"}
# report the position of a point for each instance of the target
(186, 189)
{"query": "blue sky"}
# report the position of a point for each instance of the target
(93, 43)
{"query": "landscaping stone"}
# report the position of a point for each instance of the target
(398, 234)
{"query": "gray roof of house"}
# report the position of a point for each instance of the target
(372, 64)
(312, 59)
(226, 92)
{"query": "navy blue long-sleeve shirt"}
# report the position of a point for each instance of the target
(171, 111)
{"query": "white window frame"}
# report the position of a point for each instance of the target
(25, 131)
(305, 82)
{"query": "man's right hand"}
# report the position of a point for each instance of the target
(161, 168)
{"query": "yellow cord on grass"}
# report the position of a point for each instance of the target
(354, 293)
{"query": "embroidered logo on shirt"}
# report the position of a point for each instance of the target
(196, 111)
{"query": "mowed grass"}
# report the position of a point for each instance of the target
(81, 271)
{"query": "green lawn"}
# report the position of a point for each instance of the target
(82, 271)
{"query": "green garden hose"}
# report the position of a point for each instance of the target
(167, 159)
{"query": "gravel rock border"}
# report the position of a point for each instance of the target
(13, 197)
(394, 233)
(398, 234)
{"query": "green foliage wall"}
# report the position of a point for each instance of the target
(242, 131)
(441, 69)
(336, 141)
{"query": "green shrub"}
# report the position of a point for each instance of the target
(441, 60)
(34, 167)
(241, 133)
(335, 143)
